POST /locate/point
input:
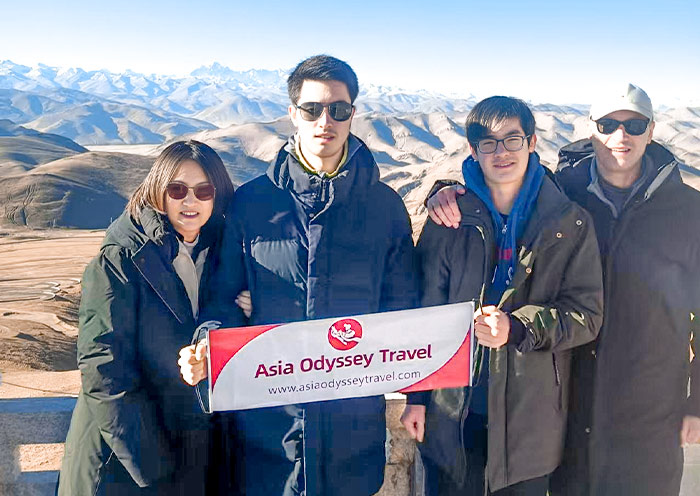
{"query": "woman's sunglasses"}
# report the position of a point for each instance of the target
(338, 111)
(203, 192)
(634, 127)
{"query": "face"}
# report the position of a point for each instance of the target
(189, 214)
(502, 167)
(322, 140)
(619, 155)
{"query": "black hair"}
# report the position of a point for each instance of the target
(322, 68)
(492, 111)
(151, 192)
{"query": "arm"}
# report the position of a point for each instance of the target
(575, 316)
(110, 373)
(228, 278)
(690, 432)
(399, 289)
(442, 203)
(432, 254)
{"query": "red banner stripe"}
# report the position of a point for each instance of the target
(224, 348)
(455, 373)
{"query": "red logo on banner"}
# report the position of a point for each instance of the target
(344, 334)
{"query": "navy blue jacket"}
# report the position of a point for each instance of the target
(315, 247)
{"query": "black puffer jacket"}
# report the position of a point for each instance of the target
(630, 388)
(316, 247)
(136, 423)
(556, 293)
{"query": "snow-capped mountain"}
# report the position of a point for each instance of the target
(209, 96)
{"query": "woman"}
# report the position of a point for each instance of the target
(137, 428)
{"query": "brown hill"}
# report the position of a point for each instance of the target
(22, 149)
(83, 191)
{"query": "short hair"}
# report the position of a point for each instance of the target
(492, 111)
(322, 68)
(151, 192)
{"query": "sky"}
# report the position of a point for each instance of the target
(541, 51)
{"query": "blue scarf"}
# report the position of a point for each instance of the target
(508, 233)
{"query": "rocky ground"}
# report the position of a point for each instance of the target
(39, 294)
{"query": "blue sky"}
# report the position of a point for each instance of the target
(542, 51)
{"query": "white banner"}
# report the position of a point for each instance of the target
(349, 357)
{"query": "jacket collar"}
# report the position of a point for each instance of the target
(576, 160)
(153, 245)
(318, 192)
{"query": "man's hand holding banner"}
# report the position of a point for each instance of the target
(349, 357)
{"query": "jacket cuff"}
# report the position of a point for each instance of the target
(437, 186)
(419, 398)
(518, 332)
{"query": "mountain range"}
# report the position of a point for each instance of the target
(49, 117)
(102, 107)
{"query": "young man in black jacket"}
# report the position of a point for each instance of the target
(530, 256)
(630, 411)
(319, 236)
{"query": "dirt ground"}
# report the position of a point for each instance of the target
(39, 295)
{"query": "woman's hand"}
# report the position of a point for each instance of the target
(244, 301)
(193, 363)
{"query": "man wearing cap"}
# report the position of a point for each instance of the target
(632, 406)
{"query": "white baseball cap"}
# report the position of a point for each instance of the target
(627, 97)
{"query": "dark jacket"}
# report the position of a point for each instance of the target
(630, 387)
(316, 247)
(556, 293)
(136, 423)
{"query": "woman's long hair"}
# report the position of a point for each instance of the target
(151, 192)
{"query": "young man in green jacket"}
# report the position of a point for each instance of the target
(530, 257)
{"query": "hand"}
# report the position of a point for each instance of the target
(245, 302)
(442, 206)
(193, 363)
(413, 419)
(491, 326)
(690, 432)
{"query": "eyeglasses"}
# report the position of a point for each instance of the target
(511, 144)
(634, 127)
(338, 111)
(203, 192)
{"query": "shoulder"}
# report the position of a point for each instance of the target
(112, 266)
(387, 196)
(560, 214)
(252, 188)
(255, 197)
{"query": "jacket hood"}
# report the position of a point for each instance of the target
(317, 191)
(127, 232)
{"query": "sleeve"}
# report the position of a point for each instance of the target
(575, 316)
(399, 290)
(437, 186)
(693, 403)
(228, 277)
(110, 373)
(434, 273)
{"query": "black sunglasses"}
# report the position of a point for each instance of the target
(203, 192)
(634, 127)
(338, 111)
